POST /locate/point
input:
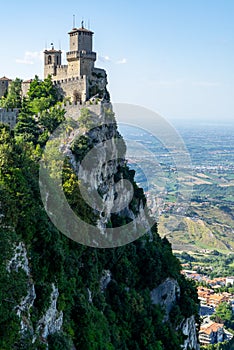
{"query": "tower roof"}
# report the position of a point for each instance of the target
(81, 29)
(51, 50)
(5, 78)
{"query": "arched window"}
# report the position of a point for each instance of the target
(77, 97)
(49, 59)
(57, 60)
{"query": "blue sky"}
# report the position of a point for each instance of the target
(175, 57)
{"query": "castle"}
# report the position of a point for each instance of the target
(78, 81)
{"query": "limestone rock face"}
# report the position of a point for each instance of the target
(166, 295)
(188, 327)
(52, 321)
(105, 280)
(20, 261)
(107, 191)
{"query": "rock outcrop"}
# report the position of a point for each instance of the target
(167, 294)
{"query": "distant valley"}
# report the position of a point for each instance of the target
(208, 222)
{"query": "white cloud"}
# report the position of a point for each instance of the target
(104, 58)
(30, 57)
(123, 61)
(107, 59)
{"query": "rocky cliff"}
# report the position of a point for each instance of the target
(123, 289)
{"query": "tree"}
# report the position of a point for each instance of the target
(51, 119)
(85, 120)
(13, 98)
(223, 314)
(42, 95)
(27, 127)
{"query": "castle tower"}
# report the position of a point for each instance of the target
(52, 59)
(4, 85)
(81, 57)
(78, 80)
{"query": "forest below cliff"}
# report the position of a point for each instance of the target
(95, 315)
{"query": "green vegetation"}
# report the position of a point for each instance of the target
(86, 120)
(121, 316)
(13, 97)
(206, 226)
(223, 314)
(213, 264)
(220, 346)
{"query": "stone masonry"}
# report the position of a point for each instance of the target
(8, 116)
(79, 80)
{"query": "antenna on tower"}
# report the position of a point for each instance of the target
(89, 24)
(46, 45)
(74, 21)
(59, 44)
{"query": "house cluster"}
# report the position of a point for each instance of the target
(211, 332)
(215, 283)
(208, 297)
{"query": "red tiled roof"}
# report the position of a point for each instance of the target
(217, 297)
(213, 327)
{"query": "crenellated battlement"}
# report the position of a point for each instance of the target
(9, 110)
(62, 66)
(67, 80)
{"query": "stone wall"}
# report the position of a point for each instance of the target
(61, 72)
(73, 110)
(4, 84)
(73, 69)
(86, 66)
(75, 88)
(9, 116)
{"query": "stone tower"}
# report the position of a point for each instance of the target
(4, 85)
(81, 57)
(79, 80)
(52, 60)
